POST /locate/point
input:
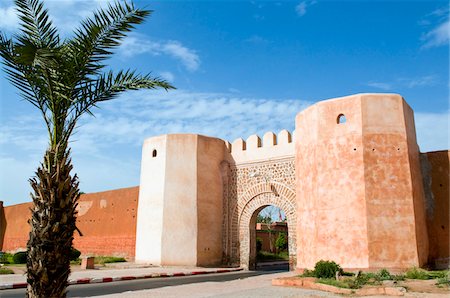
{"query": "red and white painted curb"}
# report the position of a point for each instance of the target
(95, 280)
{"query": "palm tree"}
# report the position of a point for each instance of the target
(64, 80)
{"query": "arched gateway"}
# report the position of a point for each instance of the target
(257, 198)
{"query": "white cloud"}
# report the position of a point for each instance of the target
(256, 39)
(187, 56)
(380, 85)
(167, 75)
(137, 44)
(414, 82)
(438, 36)
(107, 148)
(65, 14)
(301, 8)
(432, 131)
(423, 81)
(8, 18)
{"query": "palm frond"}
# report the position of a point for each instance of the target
(97, 35)
(107, 87)
(35, 23)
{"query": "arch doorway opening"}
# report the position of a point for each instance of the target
(270, 239)
(273, 194)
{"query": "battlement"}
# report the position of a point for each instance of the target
(253, 149)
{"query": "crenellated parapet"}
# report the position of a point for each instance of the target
(253, 149)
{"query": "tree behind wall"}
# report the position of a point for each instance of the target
(63, 79)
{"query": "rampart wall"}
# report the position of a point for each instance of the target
(106, 219)
(436, 176)
(354, 191)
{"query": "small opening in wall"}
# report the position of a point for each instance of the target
(341, 119)
(354, 149)
(154, 153)
(440, 184)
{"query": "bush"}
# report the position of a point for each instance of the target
(74, 254)
(416, 273)
(326, 269)
(4, 258)
(384, 274)
(20, 257)
(281, 242)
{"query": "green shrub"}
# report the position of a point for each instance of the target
(281, 242)
(74, 254)
(443, 281)
(384, 274)
(416, 273)
(439, 274)
(6, 271)
(4, 258)
(20, 257)
(326, 269)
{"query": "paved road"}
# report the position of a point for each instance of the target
(89, 290)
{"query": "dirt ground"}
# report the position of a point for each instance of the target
(424, 286)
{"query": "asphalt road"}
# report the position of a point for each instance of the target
(88, 290)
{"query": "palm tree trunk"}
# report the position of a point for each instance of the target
(52, 225)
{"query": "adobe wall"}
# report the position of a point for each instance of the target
(360, 196)
(16, 227)
(180, 201)
(108, 222)
(329, 162)
(435, 169)
(106, 219)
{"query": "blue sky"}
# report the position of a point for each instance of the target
(240, 68)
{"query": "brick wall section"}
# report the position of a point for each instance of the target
(16, 231)
(106, 219)
(435, 169)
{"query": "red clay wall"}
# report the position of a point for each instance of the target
(106, 219)
(435, 168)
(16, 227)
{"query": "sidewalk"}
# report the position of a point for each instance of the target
(117, 272)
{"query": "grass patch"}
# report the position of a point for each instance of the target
(417, 273)
(268, 256)
(5, 270)
(443, 281)
(105, 259)
(335, 283)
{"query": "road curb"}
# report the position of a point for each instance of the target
(82, 281)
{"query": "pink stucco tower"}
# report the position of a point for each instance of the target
(360, 199)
